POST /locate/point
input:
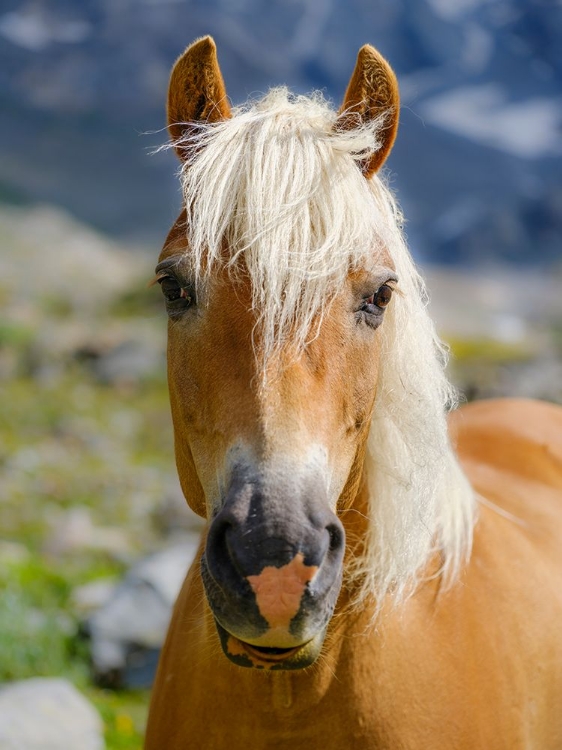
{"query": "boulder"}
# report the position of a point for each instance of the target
(126, 633)
(47, 714)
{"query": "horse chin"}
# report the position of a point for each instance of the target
(245, 654)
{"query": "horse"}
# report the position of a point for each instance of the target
(379, 570)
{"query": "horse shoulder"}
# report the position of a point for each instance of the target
(509, 601)
(511, 450)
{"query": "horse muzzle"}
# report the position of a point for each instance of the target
(272, 570)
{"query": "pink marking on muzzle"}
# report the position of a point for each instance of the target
(279, 590)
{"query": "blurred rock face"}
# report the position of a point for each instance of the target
(67, 288)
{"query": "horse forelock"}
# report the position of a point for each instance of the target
(277, 190)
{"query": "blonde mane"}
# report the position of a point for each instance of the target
(278, 186)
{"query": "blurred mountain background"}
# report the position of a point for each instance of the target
(94, 530)
(478, 162)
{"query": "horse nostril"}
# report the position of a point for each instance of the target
(238, 550)
(218, 548)
(335, 533)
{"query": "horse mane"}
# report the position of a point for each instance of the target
(278, 187)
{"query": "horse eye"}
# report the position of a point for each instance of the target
(381, 297)
(170, 288)
(173, 291)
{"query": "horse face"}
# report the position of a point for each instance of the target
(269, 449)
(271, 457)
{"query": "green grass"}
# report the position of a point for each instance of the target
(72, 447)
(466, 351)
(124, 716)
(38, 638)
(66, 444)
(38, 633)
(76, 443)
(14, 335)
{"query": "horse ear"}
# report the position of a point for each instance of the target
(196, 91)
(372, 92)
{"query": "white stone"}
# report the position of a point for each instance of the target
(47, 714)
(139, 609)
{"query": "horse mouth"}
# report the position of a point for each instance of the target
(268, 654)
(266, 657)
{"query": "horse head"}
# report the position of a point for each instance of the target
(279, 280)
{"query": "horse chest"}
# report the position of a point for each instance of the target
(427, 677)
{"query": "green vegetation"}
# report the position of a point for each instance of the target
(86, 454)
(70, 442)
(36, 631)
(66, 444)
(487, 350)
(124, 716)
(73, 443)
(38, 637)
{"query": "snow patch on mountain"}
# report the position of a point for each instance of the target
(478, 48)
(451, 10)
(35, 32)
(529, 129)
